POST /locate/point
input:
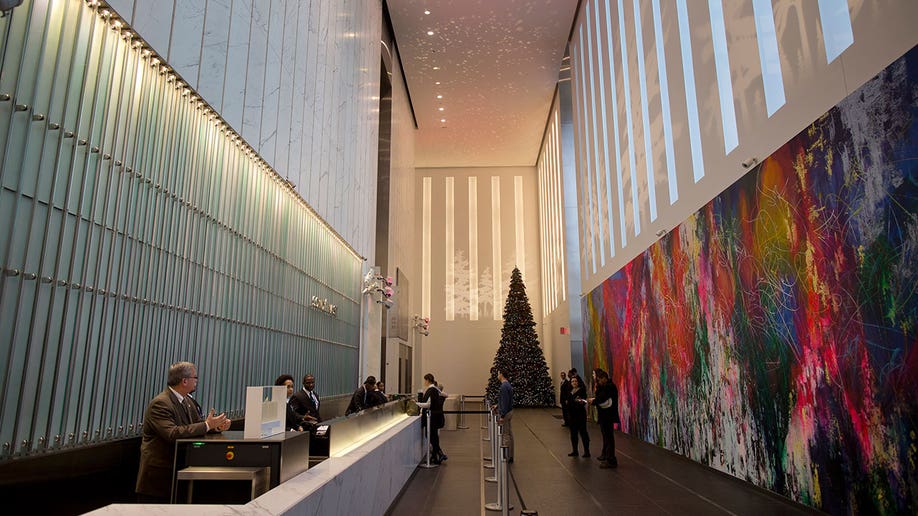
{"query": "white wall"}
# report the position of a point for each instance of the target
(299, 80)
(882, 31)
(460, 352)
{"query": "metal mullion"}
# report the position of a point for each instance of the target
(164, 201)
(54, 169)
(176, 207)
(125, 214)
(15, 398)
(98, 110)
(208, 175)
(215, 230)
(8, 67)
(133, 211)
(72, 419)
(109, 59)
(65, 163)
(109, 303)
(187, 248)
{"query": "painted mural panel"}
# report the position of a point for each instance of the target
(774, 334)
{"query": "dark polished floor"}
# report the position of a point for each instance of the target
(649, 480)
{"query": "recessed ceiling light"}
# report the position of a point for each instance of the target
(426, 11)
(443, 120)
(439, 96)
(436, 67)
(441, 109)
(430, 33)
(437, 83)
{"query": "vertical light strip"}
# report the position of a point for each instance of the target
(495, 248)
(666, 115)
(425, 250)
(691, 99)
(549, 186)
(585, 174)
(473, 248)
(605, 135)
(598, 219)
(543, 205)
(767, 39)
(626, 83)
(836, 27)
(520, 229)
(556, 207)
(558, 172)
(450, 255)
(645, 113)
(618, 148)
(724, 81)
(577, 112)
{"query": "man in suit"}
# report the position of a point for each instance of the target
(363, 397)
(305, 402)
(171, 415)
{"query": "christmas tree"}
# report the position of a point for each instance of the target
(519, 353)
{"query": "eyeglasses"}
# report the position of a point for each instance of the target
(190, 377)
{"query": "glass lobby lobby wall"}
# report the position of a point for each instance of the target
(137, 229)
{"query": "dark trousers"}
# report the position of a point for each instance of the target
(437, 422)
(579, 429)
(608, 439)
(565, 413)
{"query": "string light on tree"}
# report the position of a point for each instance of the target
(520, 354)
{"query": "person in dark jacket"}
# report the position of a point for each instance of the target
(433, 401)
(577, 417)
(606, 403)
(305, 402)
(294, 420)
(364, 397)
(565, 398)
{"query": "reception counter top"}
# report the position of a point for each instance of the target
(361, 476)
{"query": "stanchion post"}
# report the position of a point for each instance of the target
(504, 484)
(490, 422)
(428, 465)
(503, 497)
(460, 424)
(492, 437)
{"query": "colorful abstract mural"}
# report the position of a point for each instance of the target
(774, 334)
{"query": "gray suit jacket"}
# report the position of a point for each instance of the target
(164, 421)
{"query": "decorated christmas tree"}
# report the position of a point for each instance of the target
(519, 353)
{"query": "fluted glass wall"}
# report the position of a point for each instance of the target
(137, 229)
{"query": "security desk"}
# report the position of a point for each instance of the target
(283, 455)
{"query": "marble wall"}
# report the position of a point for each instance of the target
(298, 80)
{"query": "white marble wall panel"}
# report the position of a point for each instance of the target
(237, 59)
(185, 45)
(285, 88)
(124, 8)
(267, 140)
(214, 46)
(299, 80)
(152, 19)
(255, 73)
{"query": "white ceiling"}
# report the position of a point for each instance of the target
(498, 65)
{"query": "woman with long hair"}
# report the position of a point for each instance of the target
(577, 417)
(433, 401)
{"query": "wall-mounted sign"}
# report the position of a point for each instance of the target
(325, 306)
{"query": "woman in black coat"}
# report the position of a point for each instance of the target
(433, 401)
(577, 417)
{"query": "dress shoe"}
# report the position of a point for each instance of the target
(601, 458)
(573, 454)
